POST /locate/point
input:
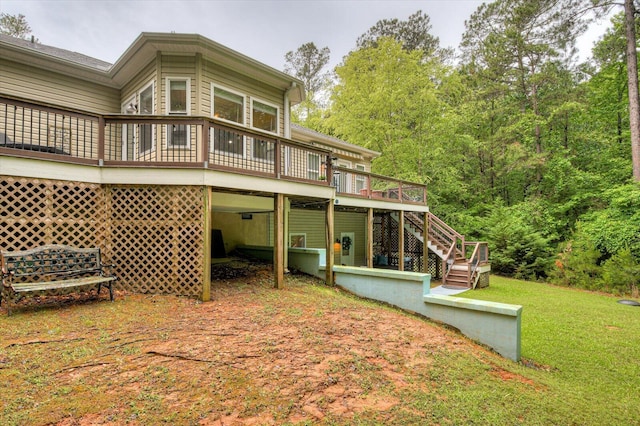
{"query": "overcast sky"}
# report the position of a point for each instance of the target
(262, 29)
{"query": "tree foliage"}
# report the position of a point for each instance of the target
(412, 34)
(14, 25)
(521, 146)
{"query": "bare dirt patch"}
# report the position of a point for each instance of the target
(252, 356)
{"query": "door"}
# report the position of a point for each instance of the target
(129, 130)
(348, 248)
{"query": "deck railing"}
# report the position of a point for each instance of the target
(59, 134)
(357, 183)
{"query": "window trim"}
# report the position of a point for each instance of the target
(252, 100)
(187, 112)
(235, 92)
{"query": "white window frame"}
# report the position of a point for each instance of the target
(235, 92)
(252, 101)
(187, 111)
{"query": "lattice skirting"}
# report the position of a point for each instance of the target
(153, 234)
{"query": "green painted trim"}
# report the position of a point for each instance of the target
(418, 277)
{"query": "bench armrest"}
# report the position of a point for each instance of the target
(108, 266)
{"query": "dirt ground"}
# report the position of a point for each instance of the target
(252, 356)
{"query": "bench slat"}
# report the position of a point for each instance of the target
(50, 285)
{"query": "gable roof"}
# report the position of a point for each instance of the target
(56, 52)
(143, 50)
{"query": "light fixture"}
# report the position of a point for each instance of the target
(132, 108)
(337, 245)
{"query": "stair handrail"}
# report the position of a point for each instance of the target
(448, 261)
(438, 228)
(480, 255)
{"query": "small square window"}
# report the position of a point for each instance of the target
(298, 240)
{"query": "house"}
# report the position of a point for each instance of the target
(185, 148)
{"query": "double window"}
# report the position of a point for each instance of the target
(178, 102)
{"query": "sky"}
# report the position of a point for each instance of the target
(264, 30)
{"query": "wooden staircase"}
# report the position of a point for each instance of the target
(461, 260)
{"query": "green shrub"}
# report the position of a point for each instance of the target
(621, 273)
(577, 263)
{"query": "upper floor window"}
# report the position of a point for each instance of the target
(146, 100)
(264, 116)
(178, 95)
(228, 105)
(178, 100)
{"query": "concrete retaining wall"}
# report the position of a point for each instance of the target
(496, 325)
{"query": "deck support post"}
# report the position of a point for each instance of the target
(206, 273)
(329, 240)
(278, 246)
(370, 238)
(401, 240)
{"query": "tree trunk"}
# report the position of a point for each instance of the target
(632, 77)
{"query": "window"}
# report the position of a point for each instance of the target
(264, 116)
(298, 240)
(313, 166)
(178, 100)
(360, 179)
(228, 105)
(264, 150)
(145, 131)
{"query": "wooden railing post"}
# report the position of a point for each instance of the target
(101, 145)
(401, 240)
(278, 158)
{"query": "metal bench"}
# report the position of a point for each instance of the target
(51, 267)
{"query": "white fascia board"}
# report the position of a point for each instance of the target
(378, 204)
(46, 169)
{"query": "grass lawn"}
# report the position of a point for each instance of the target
(309, 354)
(587, 344)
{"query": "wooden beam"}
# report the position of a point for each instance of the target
(401, 240)
(329, 240)
(206, 273)
(370, 238)
(278, 244)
